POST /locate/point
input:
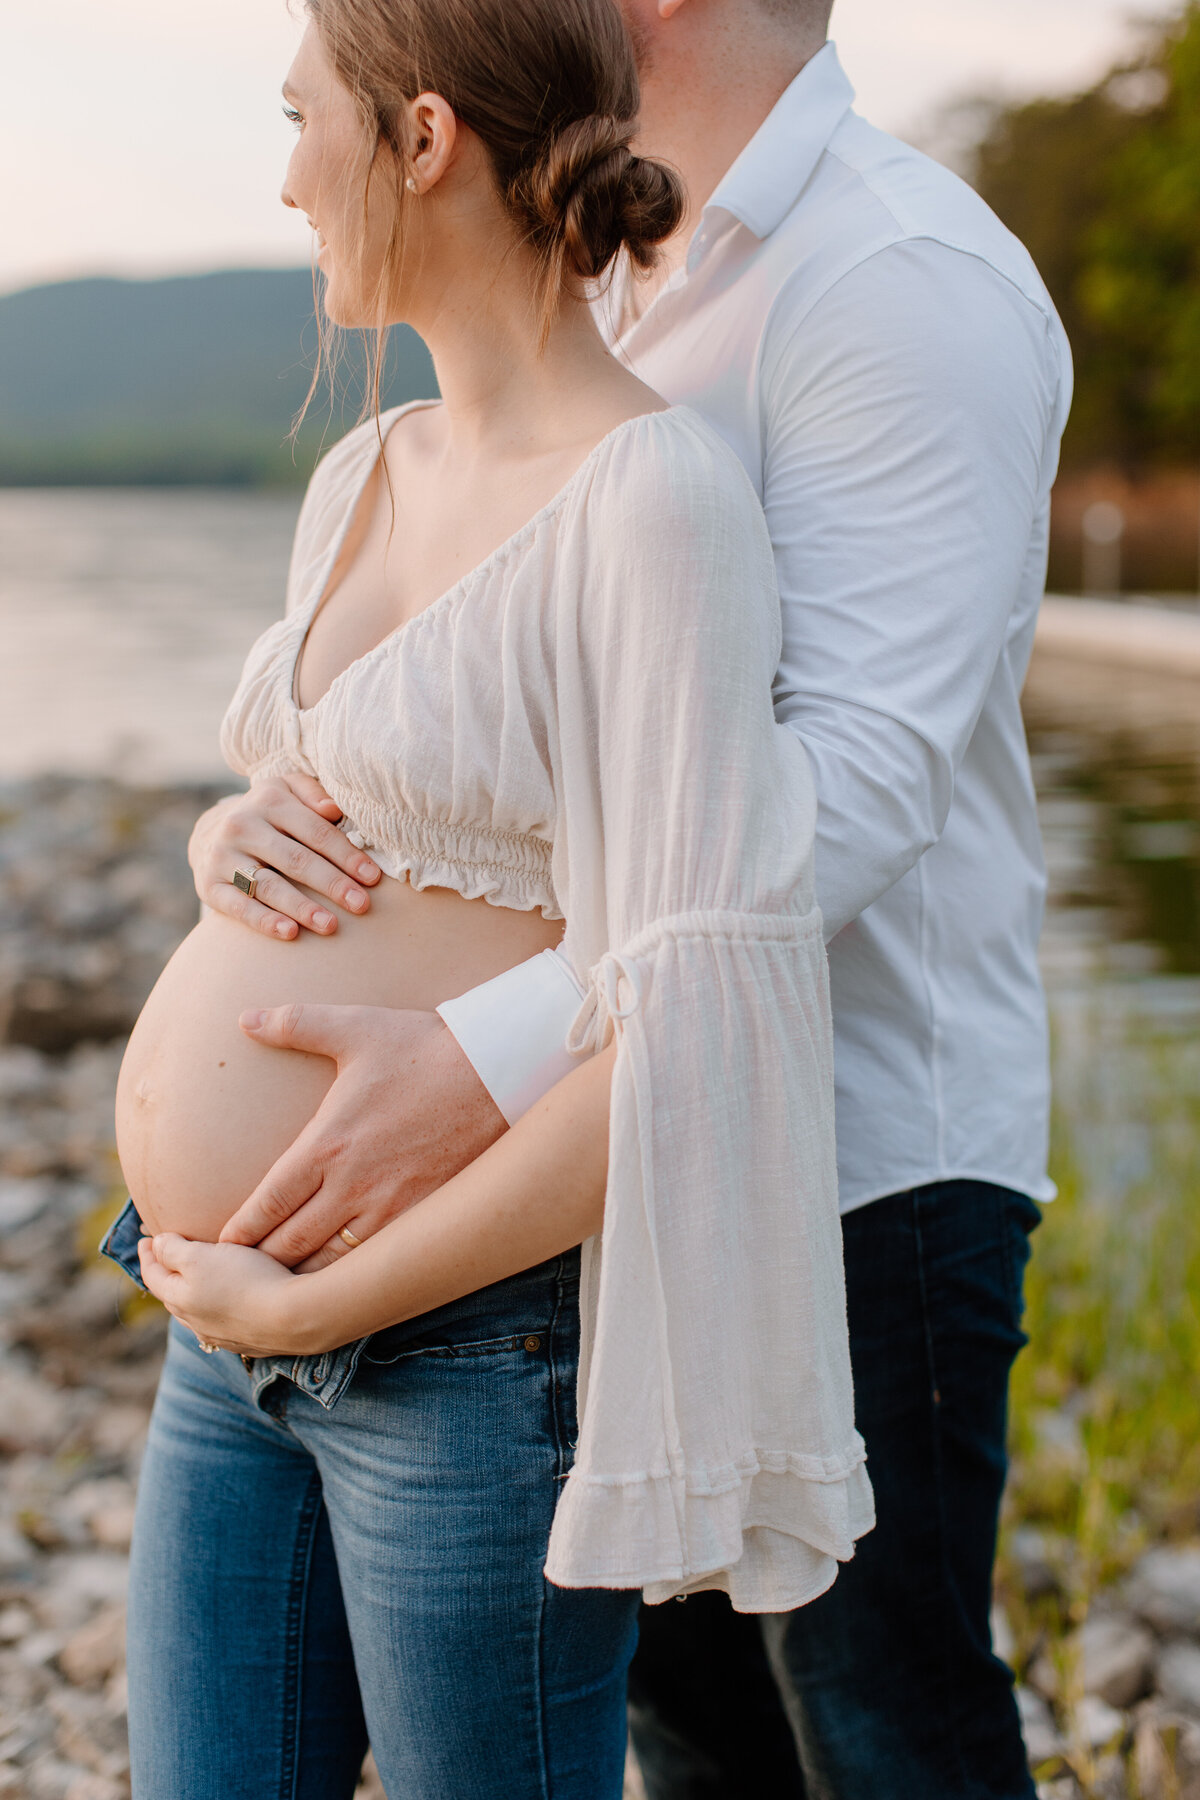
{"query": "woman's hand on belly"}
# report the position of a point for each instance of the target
(285, 822)
(236, 1298)
(535, 1193)
(405, 1113)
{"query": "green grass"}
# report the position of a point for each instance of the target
(1106, 1400)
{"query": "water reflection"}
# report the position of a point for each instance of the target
(1116, 758)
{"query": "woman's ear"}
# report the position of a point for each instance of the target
(432, 137)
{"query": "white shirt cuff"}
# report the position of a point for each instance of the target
(513, 1030)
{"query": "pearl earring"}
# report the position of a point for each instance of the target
(411, 185)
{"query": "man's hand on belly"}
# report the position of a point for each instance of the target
(405, 1113)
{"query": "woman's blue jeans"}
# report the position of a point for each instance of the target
(328, 1549)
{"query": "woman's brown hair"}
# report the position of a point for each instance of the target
(549, 87)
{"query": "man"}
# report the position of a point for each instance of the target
(884, 359)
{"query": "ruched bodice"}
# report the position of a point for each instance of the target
(435, 742)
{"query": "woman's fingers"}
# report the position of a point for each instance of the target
(275, 894)
(172, 1251)
(162, 1282)
(294, 839)
(233, 904)
(276, 830)
(309, 789)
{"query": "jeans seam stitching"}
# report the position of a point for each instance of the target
(293, 1697)
(960, 1760)
(555, 1415)
(556, 1386)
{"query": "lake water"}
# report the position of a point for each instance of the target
(124, 620)
(125, 616)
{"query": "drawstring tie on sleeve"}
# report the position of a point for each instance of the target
(602, 1011)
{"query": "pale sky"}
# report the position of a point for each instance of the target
(146, 137)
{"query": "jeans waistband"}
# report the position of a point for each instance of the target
(325, 1376)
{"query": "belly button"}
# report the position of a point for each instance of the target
(143, 1093)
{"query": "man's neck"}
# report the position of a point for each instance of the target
(701, 105)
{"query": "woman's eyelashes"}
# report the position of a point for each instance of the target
(295, 119)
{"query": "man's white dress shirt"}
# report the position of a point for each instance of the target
(885, 361)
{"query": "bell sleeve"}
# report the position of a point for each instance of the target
(717, 1446)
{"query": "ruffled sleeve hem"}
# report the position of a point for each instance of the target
(771, 1539)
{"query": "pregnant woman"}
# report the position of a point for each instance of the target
(416, 1494)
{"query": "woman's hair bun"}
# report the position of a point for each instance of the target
(587, 197)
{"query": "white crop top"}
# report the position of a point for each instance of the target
(541, 735)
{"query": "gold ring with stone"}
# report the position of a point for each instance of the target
(348, 1237)
(247, 879)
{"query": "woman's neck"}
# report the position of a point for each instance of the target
(504, 391)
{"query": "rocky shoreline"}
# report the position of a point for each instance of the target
(94, 895)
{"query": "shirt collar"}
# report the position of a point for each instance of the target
(766, 180)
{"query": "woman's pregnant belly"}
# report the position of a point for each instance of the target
(203, 1111)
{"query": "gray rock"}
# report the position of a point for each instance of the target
(1043, 1744)
(49, 1778)
(97, 1650)
(33, 1415)
(1004, 1644)
(88, 1786)
(1095, 1725)
(25, 1077)
(87, 1734)
(17, 1554)
(95, 1577)
(1043, 1677)
(1038, 1558)
(1109, 1779)
(22, 1201)
(1164, 1589)
(105, 1508)
(1179, 1676)
(39, 1648)
(16, 1622)
(1116, 1659)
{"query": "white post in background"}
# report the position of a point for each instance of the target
(1103, 530)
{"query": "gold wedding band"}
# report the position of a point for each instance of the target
(348, 1237)
(247, 879)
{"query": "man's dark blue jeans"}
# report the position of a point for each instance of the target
(886, 1687)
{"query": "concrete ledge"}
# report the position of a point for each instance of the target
(1150, 638)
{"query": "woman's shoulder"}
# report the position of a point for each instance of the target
(671, 469)
(672, 534)
(668, 487)
(336, 483)
(348, 460)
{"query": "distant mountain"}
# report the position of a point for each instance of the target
(191, 380)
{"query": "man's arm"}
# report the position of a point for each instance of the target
(912, 429)
(911, 437)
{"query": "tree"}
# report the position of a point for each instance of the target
(1105, 190)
